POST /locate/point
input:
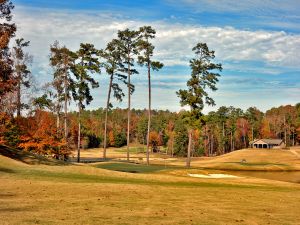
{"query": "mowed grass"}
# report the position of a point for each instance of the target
(88, 194)
(133, 167)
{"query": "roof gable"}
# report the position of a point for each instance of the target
(268, 141)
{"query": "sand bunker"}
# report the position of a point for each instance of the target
(214, 176)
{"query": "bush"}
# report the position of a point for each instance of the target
(94, 141)
(120, 139)
(9, 131)
(181, 139)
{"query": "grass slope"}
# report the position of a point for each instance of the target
(255, 159)
(27, 157)
(87, 194)
(252, 159)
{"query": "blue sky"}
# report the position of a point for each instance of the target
(258, 43)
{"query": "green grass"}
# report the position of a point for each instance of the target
(42, 174)
(55, 175)
(133, 167)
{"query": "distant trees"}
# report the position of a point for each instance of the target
(283, 123)
(254, 117)
(181, 138)
(202, 78)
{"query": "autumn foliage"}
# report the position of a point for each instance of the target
(40, 135)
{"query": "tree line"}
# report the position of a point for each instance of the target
(48, 127)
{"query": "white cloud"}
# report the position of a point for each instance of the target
(173, 43)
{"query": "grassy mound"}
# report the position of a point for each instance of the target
(252, 159)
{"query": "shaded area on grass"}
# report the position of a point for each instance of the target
(27, 157)
(6, 170)
(133, 167)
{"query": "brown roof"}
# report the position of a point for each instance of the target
(269, 141)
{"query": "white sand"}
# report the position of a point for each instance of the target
(214, 176)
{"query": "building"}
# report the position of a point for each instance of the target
(267, 143)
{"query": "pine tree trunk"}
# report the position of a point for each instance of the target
(212, 144)
(129, 99)
(149, 114)
(293, 138)
(208, 144)
(79, 133)
(172, 146)
(188, 161)
(289, 134)
(66, 107)
(244, 136)
(57, 122)
(106, 115)
(223, 138)
(19, 95)
(285, 138)
(231, 141)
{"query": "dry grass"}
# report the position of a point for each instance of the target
(255, 159)
(84, 194)
(252, 159)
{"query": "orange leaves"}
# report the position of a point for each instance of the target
(265, 130)
(4, 39)
(40, 135)
(154, 138)
(111, 138)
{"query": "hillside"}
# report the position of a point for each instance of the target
(27, 157)
(253, 159)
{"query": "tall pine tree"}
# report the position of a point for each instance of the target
(146, 34)
(21, 70)
(86, 63)
(202, 78)
(62, 60)
(112, 64)
(128, 45)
